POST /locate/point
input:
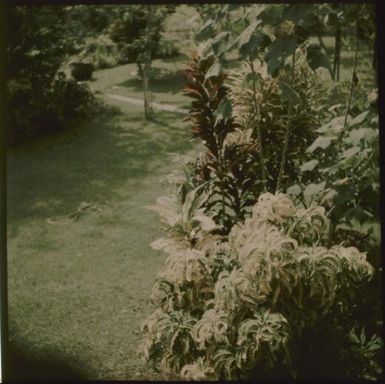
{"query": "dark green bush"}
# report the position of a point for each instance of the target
(40, 99)
(101, 52)
(40, 108)
(81, 71)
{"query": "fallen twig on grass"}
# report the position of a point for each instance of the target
(74, 215)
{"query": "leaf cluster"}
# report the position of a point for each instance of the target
(276, 285)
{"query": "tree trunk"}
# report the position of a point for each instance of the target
(147, 66)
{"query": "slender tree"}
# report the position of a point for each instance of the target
(147, 62)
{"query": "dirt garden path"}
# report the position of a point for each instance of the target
(80, 265)
(140, 102)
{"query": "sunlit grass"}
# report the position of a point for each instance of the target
(79, 290)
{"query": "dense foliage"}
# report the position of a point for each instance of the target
(248, 306)
(259, 283)
(43, 40)
(257, 103)
(108, 35)
(40, 98)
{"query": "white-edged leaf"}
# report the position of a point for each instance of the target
(213, 71)
(245, 36)
(321, 142)
(206, 223)
(314, 189)
(159, 244)
(336, 125)
(167, 208)
(358, 119)
(350, 152)
(309, 166)
(356, 135)
(294, 190)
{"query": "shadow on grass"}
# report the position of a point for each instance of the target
(53, 175)
(25, 364)
(164, 80)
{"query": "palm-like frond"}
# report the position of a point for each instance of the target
(198, 371)
(261, 340)
(212, 327)
(225, 364)
(185, 219)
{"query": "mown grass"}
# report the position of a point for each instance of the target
(79, 290)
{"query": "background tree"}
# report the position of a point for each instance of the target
(138, 32)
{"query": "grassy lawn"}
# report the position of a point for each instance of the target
(79, 290)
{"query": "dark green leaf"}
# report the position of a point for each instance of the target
(299, 14)
(287, 93)
(224, 110)
(358, 213)
(332, 19)
(278, 51)
(218, 41)
(257, 43)
(317, 57)
(206, 31)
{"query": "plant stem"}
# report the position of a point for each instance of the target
(221, 168)
(321, 42)
(331, 230)
(341, 134)
(339, 142)
(287, 132)
(337, 53)
(275, 296)
(259, 133)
